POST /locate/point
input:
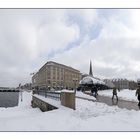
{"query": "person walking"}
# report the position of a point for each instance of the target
(94, 90)
(138, 94)
(115, 93)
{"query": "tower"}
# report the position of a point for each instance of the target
(90, 69)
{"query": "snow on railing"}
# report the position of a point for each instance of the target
(48, 94)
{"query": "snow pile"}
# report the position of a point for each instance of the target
(125, 94)
(88, 116)
(82, 95)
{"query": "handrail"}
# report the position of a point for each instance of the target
(48, 94)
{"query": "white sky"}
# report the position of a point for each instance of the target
(31, 37)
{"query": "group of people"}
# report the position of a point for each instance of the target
(94, 91)
(137, 94)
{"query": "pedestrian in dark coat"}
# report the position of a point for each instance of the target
(115, 93)
(94, 90)
(138, 94)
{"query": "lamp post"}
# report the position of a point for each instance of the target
(20, 91)
(75, 80)
(32, 74)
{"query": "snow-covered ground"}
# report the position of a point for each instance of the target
(82, 95)
(125, 94)
(88, 116)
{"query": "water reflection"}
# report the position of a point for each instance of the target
(114, 102)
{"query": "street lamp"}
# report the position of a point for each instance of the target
(20, 91)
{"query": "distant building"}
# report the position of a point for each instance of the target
(109, 83)
(88, 81)
(90, 69)
(132, 85)
(90, 73)
(27, 86)
(121, 83)
(57, 76)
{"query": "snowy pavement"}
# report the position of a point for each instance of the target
(81, 95)
(88, 116)
(128, 95)
(120, 103)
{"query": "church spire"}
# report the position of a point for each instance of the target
(90, 69)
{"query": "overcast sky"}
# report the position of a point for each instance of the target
(110, 38)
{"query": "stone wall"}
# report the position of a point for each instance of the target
(68, 99)
(41, 104)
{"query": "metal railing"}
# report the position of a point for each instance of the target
(48, 94)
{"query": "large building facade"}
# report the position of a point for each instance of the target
(57, 76)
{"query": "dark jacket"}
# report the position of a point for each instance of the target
(138, 93)
(114, 91)
(94, 89)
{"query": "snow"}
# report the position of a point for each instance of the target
(67, 91)
(88, 116)
(91, 80)
(128, 95)
(82, 95)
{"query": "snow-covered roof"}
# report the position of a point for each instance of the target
(91, 80)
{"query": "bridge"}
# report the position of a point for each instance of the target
(47, 100)
(7, 89)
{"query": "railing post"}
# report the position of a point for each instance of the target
(68, 99)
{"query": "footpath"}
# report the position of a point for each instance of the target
(120, 103)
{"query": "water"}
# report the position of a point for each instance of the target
(9, 99)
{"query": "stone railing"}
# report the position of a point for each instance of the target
(44, 106)
(67, 98)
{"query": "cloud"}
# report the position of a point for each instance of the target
(31, 37)
(56, 36)
(26, 35)
(115, 52)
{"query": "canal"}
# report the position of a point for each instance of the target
(9, 99)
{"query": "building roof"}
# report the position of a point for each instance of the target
(52, 63)
(91, 80)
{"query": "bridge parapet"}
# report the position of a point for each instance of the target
(48, 101)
